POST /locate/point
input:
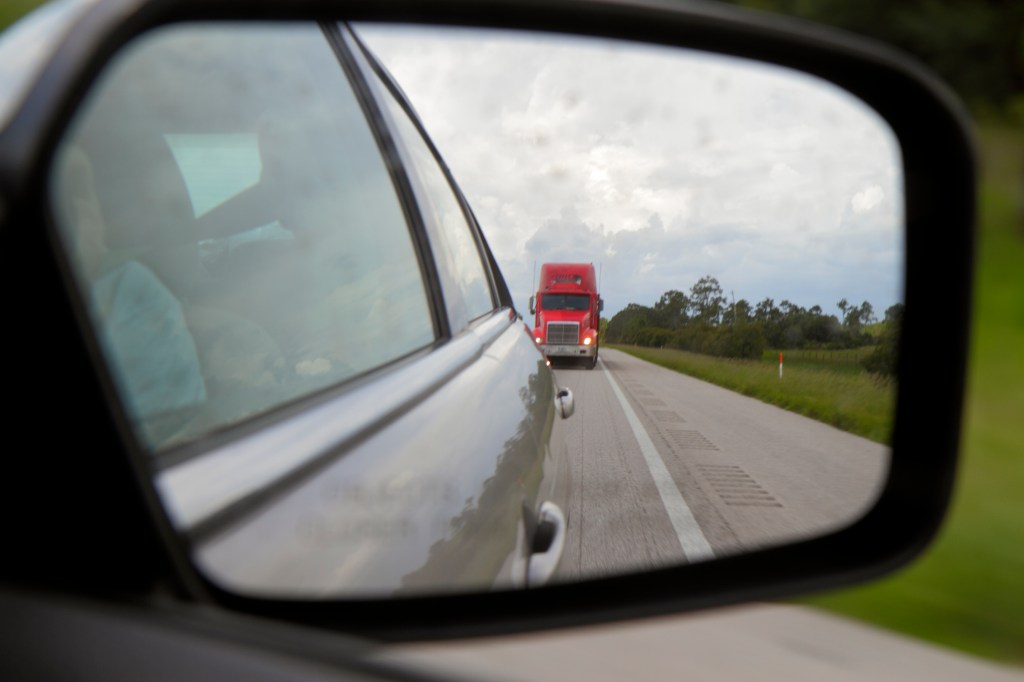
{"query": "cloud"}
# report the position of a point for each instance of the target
(866, 200)
(659, 165)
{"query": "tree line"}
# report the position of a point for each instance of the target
(704, 320)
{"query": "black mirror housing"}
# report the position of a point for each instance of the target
(134, 544)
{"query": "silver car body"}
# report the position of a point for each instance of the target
(326, 402)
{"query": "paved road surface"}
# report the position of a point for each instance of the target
(669, 469)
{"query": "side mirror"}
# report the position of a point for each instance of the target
(255, 464)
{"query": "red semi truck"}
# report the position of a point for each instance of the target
(567, 311)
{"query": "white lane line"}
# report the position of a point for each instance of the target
(691, 538)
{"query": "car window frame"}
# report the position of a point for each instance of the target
(373, 69)
(399, 177)
(161, 459)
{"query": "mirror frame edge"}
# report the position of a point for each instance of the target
(933, 133)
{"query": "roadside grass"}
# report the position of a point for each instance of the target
(10, 10)
(967, 590)
(838, 392)
(845, 361)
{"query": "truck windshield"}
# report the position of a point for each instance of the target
(565, 302)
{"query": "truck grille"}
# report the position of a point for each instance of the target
(563, 333)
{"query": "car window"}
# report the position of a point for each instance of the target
(234, 229)
(564, 302)
(464, 279)
(216, 167)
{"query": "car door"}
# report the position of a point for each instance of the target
(312, 349)
(535, 452)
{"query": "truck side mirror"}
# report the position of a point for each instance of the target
(533, 311)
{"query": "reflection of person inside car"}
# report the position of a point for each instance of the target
(141, 324)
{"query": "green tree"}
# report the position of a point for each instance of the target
(742, 341)
(739, 312)
(671, 309)
(627, 323)
(654, 337)
(866, 313)
(707, 301)
(884, 358)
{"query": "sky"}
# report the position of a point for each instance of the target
(659, 165)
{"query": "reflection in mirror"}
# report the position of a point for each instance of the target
(292, 304)
(746, 224)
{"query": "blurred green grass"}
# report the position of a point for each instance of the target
(843, 361)
(967, 591)
(13, 9)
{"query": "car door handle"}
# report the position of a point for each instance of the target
(565, 403)
(546, 546)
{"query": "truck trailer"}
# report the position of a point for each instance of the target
(567, 310)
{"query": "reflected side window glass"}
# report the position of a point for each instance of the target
(464, 279)
(564, 302)
(234, 228)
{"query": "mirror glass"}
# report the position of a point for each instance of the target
(307, 337)
(746, 225)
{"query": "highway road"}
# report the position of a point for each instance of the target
(669, 469)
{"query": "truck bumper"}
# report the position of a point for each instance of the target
(579, 351)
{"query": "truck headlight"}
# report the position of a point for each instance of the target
(537, 339)
(587, 341)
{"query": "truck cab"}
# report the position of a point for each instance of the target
(567, 310)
